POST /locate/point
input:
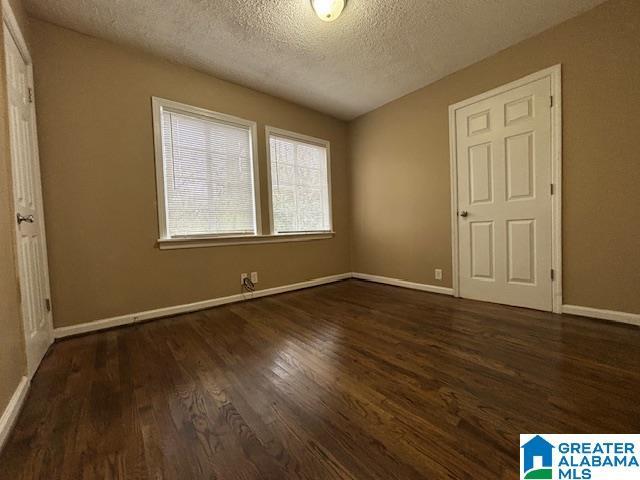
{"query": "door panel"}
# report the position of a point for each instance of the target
(482, 250)
(478, 123)
(30, 237)
(521, 253)
(519, 109)
(480, 174)
(520, 169)
(503, 148)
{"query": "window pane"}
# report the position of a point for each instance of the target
(299, 186)
(208, 173)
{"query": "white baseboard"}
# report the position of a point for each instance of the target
(62, 332)
(612, 315)
(623, 317)
(631, 318)
(403, 283)
(10, 414)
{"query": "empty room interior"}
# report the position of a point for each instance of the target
(317, 239)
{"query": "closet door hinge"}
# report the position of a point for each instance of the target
(30, 94)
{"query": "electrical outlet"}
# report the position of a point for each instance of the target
(242, 277)
(438, 274)
(254, 277)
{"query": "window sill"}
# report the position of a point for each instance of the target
(225, 241)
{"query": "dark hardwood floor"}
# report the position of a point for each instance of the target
(351, 380)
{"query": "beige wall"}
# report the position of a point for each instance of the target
(13, 363)
(96, 147)
(400, 161)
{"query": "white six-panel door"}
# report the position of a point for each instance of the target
(504, 176)
(31, 245)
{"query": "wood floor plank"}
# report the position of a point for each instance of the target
(352, 380)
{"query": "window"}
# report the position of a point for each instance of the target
(207, 178)
(299, 181)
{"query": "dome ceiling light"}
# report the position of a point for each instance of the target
(328, 10)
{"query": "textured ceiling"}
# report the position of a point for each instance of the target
(378, 50)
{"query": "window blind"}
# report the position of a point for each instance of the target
(299, 186)
(208, 175)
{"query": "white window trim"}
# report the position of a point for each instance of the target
(278, 132)
(159, 105)
(225, 241)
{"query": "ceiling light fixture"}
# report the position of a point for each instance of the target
(328, 10)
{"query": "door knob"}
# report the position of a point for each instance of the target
(464, 213)
(28, 218)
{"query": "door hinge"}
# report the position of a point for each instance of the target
(30, 90)
(47, 303)
(551, 100)
(553, 274)
(552, 189)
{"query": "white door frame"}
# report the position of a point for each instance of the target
(11, 24)
(555, 74)
(13, 29)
